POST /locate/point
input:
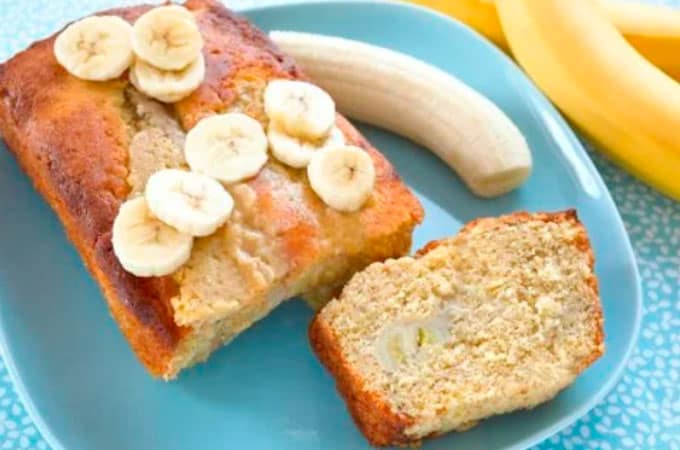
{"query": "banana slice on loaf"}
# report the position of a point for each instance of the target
(96, 48)
(500, 317)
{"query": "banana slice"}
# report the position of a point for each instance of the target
(167, 37)
(167, 85)
(400, 342)
(96, 48)
(144, 245)
(299, 108)
(428, 332)
(297, 152)
(190, 202)
(395, 345)
(342, 176)
(230, 147)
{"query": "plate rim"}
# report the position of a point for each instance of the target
(532, 439)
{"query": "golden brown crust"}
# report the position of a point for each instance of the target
(236, 53)
(71, 138)
(378, 422)
(373, 416)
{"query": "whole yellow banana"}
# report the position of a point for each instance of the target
(653, 30)
(577, 57)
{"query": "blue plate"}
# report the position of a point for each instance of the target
(85, 389)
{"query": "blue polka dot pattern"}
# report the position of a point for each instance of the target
(642, 411)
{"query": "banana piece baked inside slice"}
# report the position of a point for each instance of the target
(500, 317)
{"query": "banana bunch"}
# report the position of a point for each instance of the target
(653, 30)
(162, 50)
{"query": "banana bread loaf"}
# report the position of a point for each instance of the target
(89, 146)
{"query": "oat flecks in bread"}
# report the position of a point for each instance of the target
(90, 146)
(521, 302)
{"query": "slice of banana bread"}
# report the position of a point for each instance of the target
(500, 317)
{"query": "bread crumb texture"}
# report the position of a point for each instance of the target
(502, 316)
(156, 139)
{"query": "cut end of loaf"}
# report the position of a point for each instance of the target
(507, 314)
